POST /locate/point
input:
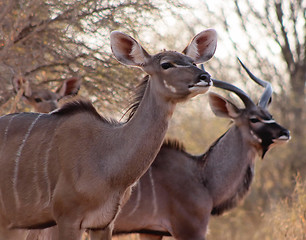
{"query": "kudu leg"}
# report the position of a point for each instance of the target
(69, 233)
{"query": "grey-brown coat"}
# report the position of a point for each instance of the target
(74, 168)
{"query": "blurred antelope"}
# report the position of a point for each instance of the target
(180, 191)
(74, 168)
(42, 99)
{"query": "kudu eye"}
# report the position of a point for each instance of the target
(38, 100)
(167, 65)
(254, 120)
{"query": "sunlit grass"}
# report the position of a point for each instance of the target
(123, 237)
(127, 237)
(283, 219)
(287, 219)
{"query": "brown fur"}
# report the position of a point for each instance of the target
(75, 168)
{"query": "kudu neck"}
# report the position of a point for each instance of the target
(145, 132)
(230, 151)
(152, 105)
(228, 171)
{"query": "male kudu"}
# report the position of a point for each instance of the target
(43, 100)
(74, 168)
(180, 191)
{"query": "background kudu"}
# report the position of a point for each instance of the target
(43, 100)
(74, 168)
(180, 191)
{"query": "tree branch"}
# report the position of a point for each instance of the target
(286, 50)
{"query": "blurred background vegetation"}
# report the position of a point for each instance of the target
(47, 41)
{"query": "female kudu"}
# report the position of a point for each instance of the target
(72, 167)
(43, 100)
(180, 191)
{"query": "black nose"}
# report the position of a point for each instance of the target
(285, 132)
(205, 77)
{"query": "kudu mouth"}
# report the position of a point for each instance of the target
(204, 81)
(283, 138)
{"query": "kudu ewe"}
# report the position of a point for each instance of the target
(74, 168)
(42, 99)
(180, 191)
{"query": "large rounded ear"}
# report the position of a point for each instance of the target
(70, 86)
(21, 83)
(222, 107)
(203, 46)
(127, 50)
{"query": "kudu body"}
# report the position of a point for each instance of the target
(72, 167)
(43, 100)
(180, 191)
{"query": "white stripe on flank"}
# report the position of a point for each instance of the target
(16, 169)
(45, 171)
(137, 199)
(153, 192)
(6, 133)
(1, 151)
(35, 180)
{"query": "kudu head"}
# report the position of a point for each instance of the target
(174, 74)
(42, 99)
(255, 120)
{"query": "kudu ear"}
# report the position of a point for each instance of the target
(222, 107)
(21, 83)
(70, 86)
(127, 50)
(203, 46)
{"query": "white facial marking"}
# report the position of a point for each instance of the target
(180, 66)
(203, 84)
(18, 154)
(268, 121)
(174, 64)
(153, 192)
(198, 89)
(171, 88)
(255, 137)
(281, 139)
(137, 199)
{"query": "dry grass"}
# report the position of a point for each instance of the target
(287, 219)
(127, 237)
